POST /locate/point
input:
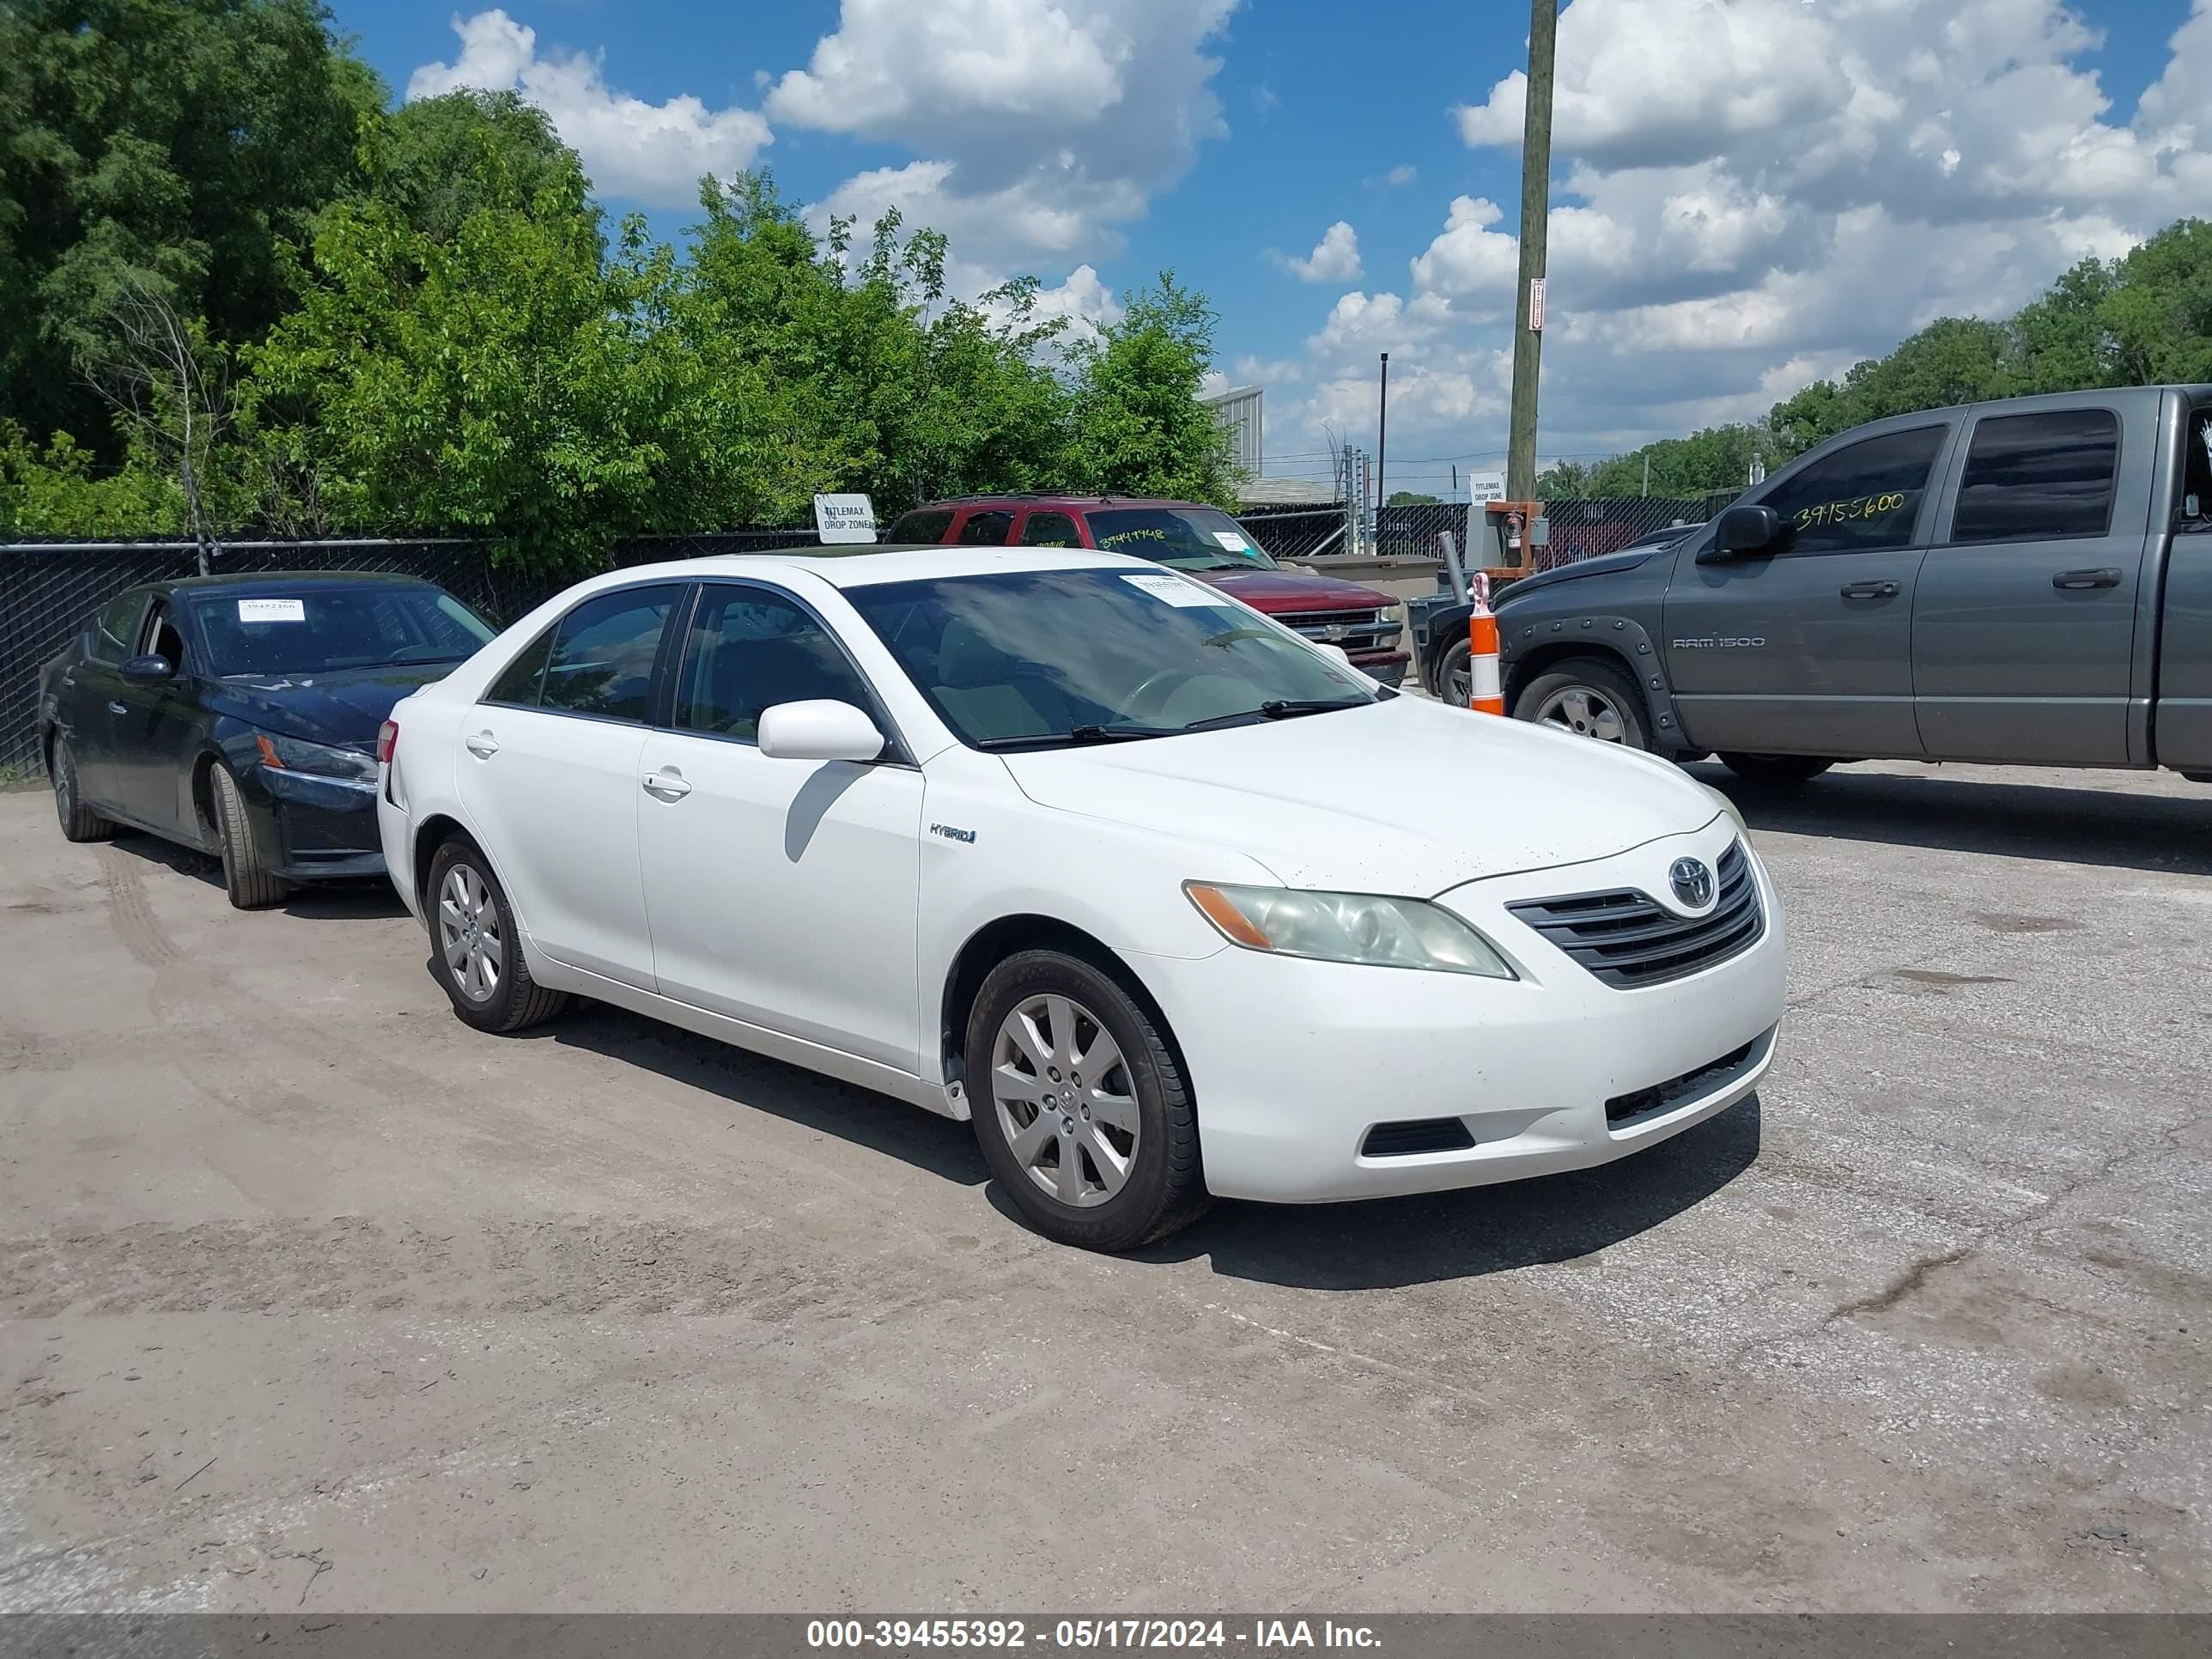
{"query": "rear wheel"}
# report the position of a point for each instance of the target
(1454, 675)
(1588, 698)
(477, 954)
(79, 822)
(1080, 1106)
(245, 875)
(1774, 768)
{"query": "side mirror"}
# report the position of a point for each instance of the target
(149, 670)
(1336, 650)
(1746, 532)
(821, 730)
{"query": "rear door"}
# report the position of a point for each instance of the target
(1809, 650)
(550, 773)
(91, 692)
(2024, 622)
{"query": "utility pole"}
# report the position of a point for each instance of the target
(1382, 429)
(1535, 221)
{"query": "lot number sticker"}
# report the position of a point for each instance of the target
(1174, 590)
(1230, 539)
(266, 610)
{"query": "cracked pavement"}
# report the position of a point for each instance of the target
(310, 1298)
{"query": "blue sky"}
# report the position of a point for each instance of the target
(1747, 193)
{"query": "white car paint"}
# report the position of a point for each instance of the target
(813, 910)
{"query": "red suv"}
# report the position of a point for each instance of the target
(1200, 541)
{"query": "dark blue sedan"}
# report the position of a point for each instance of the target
(239, 715)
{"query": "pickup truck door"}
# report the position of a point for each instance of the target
(1809, 650)
(2024, 626)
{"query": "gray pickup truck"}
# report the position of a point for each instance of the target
(2026, 581)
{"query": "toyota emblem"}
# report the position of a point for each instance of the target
(1693, 881)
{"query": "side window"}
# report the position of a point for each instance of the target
(986, 530)
(524, 677)
(601, 661)
(750, 649)
(925, 525)
(2030, 478)
(2197, 470)
(1863, 498)
(118, 626)
(1050, 530)
(161, 637)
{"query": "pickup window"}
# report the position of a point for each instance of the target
(1863, 498)
(2197, 471)
(2038, 477)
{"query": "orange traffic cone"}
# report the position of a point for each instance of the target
(1488, 694)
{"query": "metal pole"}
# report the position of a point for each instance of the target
(1647, 473)
(1382, 429)
(1535, 218)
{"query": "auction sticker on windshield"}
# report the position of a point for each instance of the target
(1229, 539)
(1174, 590)
(267, 611)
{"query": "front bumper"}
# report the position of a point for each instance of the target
(316, 829)
(1292, 1063)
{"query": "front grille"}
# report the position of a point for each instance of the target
(1627, 939)
(1355, 630)
(1409, 1136)
(1664, 1097)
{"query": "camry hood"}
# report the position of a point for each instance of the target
(345, 706)
(1405, 797)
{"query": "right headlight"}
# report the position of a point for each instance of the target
(1356, 927)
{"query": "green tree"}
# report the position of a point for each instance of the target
(1562, 480)
(1955, 360)
(438, 160)
(2157, 316)
(176, 143)
(1136, 427)
(1716, 458)
(1412, 498)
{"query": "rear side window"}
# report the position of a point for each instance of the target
(118, 626)
(2033, 478)
(601, 662)
(2197, 470)
(525, 675)
(1863, 498)
(927, 523)
(986, 530)
(1049, 530)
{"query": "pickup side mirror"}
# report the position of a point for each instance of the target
(821, 729)
(149, 670)
(1745, 532)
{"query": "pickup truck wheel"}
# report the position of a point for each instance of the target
(1454, 683)
(1774, 768)
(1589, 697)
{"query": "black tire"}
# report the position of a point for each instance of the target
(1600, 677)
(79, 822)
(516, 1001)
(1165, 1187)
(1774, 768)
(246, 876)
(1454, 662)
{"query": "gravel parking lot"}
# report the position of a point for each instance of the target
(314, 1299)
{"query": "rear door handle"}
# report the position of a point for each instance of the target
(2076, 580)
(483, 745)
(1869, 590)
(117, 708)
(666, 786)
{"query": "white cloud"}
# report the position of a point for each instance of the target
(1402, 174)
(1335, 257)
(1043, 124)
(653, 154)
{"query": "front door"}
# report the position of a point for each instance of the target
(2024, 626)
(549, 768)
(156, 736)
(1808, 650)
(780, 892)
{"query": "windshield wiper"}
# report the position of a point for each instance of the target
(1279, 708)
(1078, 736)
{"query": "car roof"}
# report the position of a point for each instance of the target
(277, 581)
(872, 565)
(1055, 503)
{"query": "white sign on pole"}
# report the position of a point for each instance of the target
(1484, 487)
(1535, 304)
(843, 518)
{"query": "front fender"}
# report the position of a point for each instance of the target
(1529, 640)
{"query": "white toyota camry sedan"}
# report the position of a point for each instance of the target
(1169, 901)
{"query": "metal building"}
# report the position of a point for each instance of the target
(1238, 409)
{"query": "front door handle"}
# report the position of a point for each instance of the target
(483, 745)
(1869, 590)
(2074, 580)
(117, 708)
(665, 785)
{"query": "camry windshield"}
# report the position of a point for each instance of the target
(1043, 658)
(1186, 538)
(324, 630)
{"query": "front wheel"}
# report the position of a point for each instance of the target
(1588, 698)
(246, 874)
(477, 953)
(1455, 675)
(1774, 768)
(1080, 1107)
